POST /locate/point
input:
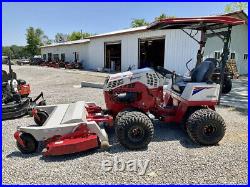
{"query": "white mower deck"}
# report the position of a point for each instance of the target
(64, 120)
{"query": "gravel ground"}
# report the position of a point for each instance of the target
(173, 158)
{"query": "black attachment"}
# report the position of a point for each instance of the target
(224, 58)
(126, 97)
(163, 71)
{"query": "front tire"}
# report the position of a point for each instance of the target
(206, 127)
(121, 113)
(30, 144)
(134, 130)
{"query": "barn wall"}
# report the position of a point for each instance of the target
(239, 46)
(69, 50)
(179, 48)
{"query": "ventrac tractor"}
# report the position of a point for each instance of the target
(132, 96)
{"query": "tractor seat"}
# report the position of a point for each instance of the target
(202, 73)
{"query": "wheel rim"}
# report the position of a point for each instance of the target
(136, 133)
(209, 130)
(30, 145)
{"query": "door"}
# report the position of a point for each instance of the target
(151, 52)
(112, 57)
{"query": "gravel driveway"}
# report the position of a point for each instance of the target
(172, 157)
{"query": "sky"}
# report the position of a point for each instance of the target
(96, 17)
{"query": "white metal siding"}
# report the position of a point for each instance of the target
(69, 50)
(179, 48)
(239, 46)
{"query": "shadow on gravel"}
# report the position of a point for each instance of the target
(243, 111)
(163, 133)
(18, 154)
(172, 132)
(73, 156)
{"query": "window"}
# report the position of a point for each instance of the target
(245, 56)
(55, 57)
(217, 55)
(63, 57)
(44, 56)
(49, 56)
(232, 56)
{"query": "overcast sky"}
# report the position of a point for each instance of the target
(90, 17)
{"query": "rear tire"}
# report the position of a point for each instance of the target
(206, 127)
(227, 86)
(30, 144)
(134, 130)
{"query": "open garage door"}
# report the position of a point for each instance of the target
(151, 52)
(113, 56)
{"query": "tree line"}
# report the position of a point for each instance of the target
(35, 37)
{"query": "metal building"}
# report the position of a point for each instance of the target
(139, 47)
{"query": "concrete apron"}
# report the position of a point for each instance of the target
(238, 97)
(92, 84)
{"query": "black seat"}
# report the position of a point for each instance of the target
(202, 73)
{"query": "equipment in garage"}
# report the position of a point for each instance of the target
(151, 52)
(113, 56)
(130, 97)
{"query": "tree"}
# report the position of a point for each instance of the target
(60, 37)
(78, 35)
(163, 16)
(6, 51)
(45, 40)
(232, 7)
(138, 23)
(33, 37)
(17, 51)
(14, 51)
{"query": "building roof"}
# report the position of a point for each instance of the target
(123, 31)
(238, 14)
(67, 43)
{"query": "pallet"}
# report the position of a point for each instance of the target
(231, 67)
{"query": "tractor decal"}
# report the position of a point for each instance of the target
(198, 89)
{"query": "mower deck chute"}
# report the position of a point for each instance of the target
(70, 128)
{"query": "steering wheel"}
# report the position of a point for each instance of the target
(164, 72)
